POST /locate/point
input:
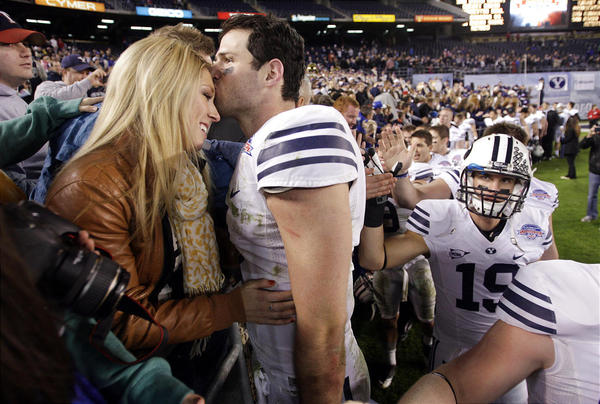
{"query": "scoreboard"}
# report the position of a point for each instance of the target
(530, 15)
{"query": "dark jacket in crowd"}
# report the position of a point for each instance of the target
(594, 143)
(571, 142)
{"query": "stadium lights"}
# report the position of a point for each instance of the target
(107, 21)
(355, 31)
(331, 26)
(212, 30)
(140, 28)
(400, 26)
(100, 26)
(38, 21)
(188, 25)
(410, 29)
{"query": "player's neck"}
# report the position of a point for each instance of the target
(484, 223)
(250, 123)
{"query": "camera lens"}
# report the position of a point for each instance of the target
(91, 285)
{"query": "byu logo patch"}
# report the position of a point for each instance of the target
(490, 250)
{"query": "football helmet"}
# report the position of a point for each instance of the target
(495, 154)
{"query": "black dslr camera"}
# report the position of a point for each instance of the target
(77, 278)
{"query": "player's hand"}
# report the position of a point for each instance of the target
(267, 307)
(88, 104)
(378, 185)
(96, 77)
(393, 150)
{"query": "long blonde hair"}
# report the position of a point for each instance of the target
(148, 100)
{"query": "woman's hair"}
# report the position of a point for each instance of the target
(148, 100)
(34, 362)
(571, 123)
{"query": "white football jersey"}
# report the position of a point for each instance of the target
(560, 299)
(469, 271)
(456, 133)
(541, 194)
(306, 147)
(440, 160)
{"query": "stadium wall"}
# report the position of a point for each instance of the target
(583, 88)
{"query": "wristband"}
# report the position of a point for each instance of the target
(443, 376)
(403, 175)
(396, 168)
(374, 213)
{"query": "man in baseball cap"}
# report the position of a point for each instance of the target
(11, 32)
(76, 80)
(16, 66)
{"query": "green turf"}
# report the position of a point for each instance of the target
(575, 241)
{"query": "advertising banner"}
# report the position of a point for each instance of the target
(73, 5)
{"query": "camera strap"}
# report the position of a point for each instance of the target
(128, 306)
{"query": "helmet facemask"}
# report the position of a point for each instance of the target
(497, 154)
(499, 204)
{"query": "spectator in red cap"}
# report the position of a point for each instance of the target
(76, 80)
(16, 66)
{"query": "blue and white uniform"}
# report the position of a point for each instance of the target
(306, 147)
(560, 299)
(470, 272)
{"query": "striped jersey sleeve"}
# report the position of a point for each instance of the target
(308, 154)
(452, 179)
(419, 220)
(527, 304)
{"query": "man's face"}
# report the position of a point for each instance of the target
(445, 117)
(436, 142)
(237, 83)
(494, 182)
(422, 152)
(71, 75)
(351, 115)
(16, 65)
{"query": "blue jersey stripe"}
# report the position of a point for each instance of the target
(427, 174)
(306, 161)
(454, 175)
(304, 128)
(416, 216)
(416, 226)
(305, 143)
(531, 291)
(423, 211)
(528, 306)
(526, 321)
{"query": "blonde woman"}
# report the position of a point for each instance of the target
(138, 166)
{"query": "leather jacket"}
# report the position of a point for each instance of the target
(94, 193)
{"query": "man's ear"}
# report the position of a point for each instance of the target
(274, 72)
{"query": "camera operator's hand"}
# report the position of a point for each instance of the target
(193, 399)
(88, 104)
(86, 241)
(593, 131)
(378, 185)
(393, 150)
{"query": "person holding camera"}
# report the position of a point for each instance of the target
(592, 140)
(136, 186)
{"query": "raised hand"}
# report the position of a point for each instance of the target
(393, 150)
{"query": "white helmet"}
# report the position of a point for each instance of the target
(495, 154)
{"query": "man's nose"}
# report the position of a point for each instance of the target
(215, 71)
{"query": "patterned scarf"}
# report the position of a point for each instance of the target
(195, 233)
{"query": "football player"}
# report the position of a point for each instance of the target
(296, 207)
(547, 332)
(542, 195)
(475, 244)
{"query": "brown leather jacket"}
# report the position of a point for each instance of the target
(93, 193)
